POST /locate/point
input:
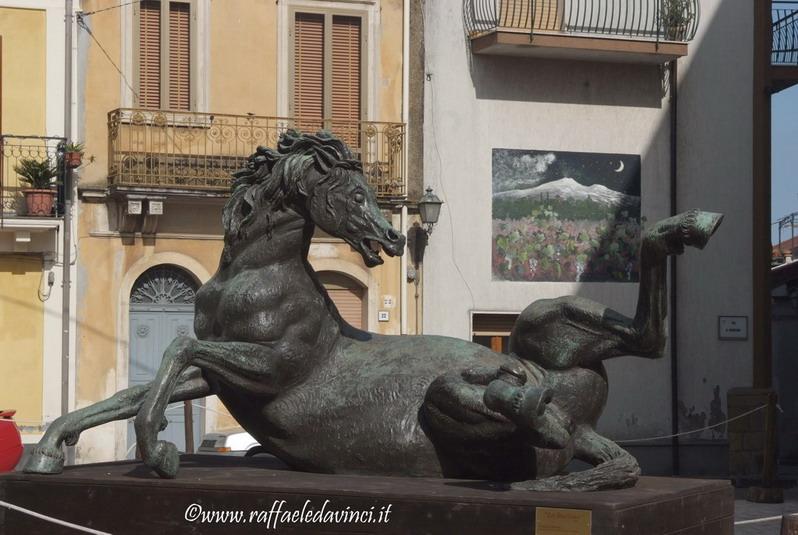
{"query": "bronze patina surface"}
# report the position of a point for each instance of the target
(326, 397)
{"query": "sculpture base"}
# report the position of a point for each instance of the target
(242, 495)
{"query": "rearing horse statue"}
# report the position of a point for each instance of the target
(326, 397)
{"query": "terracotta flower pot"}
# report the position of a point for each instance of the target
(39, 201)
(74, 159)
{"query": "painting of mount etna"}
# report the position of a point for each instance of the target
(565, 216)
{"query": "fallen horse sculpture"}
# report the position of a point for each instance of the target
(326, 397)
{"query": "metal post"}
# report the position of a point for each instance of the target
(67, 234)
(188, 418)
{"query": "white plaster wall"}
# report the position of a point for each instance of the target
(715, 173)
(476, 103)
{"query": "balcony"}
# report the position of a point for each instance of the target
(785, 33)
(14, 149)
(637, 31)
(784, 47)
(168, 151)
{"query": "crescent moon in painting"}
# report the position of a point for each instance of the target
(620, 168)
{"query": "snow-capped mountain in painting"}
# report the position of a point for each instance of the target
(570, 189)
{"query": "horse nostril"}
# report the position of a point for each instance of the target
(392, 235)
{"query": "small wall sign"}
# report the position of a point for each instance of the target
(155, 207)
(556, 521)
(387, 301)
(732, 327)
(383, 315)
(134, 207)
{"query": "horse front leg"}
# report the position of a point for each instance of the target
(48, 457)
(251, 367)
(668, 237)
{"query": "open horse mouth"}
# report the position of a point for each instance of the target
(370, 248)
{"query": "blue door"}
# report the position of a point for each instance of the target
(161, 308)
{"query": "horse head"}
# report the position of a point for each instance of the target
(317, 177)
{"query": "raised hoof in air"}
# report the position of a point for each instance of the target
(692, 228)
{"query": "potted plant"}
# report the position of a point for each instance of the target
(74, 154)
(40, 175)
(675, 18)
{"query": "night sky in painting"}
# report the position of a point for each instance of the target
(520, 169)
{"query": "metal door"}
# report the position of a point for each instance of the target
(161, 308)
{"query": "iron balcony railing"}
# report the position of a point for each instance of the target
(785, 33)
(656, 20)
(13, 150)
(199, 151)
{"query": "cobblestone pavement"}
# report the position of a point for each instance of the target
(745, 510)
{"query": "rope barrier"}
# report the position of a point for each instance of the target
(763, 519)
(724, 422)
(51, 519)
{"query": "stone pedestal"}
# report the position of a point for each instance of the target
(125, 498)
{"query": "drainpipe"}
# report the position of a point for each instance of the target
(405, 118)
(67, 234)
(672, 324)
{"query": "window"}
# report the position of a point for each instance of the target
(164, 54)
(327, 73)
(493, 330)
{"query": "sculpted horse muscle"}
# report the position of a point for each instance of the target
(326, 397)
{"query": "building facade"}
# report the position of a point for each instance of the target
(32, 261)
(555, 132)
(175, 96)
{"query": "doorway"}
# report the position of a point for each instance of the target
(161, 308)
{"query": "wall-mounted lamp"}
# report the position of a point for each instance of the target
(429, 207)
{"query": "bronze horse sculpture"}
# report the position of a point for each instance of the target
(326, 397)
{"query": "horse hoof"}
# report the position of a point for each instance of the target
(692, 228)
(699, 226)
(523, 405)
(45, 461)
(165, 459)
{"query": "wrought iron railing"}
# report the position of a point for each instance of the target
(13, 150)
(658, 20)
(199, 151)
(785, 33)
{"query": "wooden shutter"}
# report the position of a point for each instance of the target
(517, 14)
(179, 56)
(346, 83)
(493, 324)
(150, 54)
(347, 295)
(309, 71)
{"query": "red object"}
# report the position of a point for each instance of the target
(10, 441)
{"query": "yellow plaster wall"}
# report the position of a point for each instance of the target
(104, 262)
(102, 91)
(24, 71)
(243, 57)
(21, 337)
(390, 83)
(242, 68)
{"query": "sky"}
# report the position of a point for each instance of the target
(784, 161)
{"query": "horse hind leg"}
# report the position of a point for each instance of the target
(491, 403)
(528, 406)
(48, 457)
(613, 467)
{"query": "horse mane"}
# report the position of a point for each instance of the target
(274, 178)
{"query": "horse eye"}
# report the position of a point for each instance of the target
(359, 197)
